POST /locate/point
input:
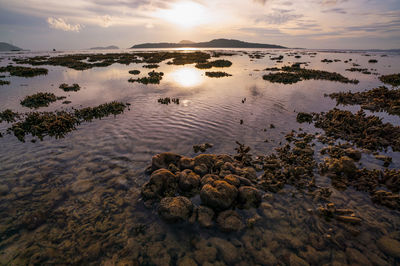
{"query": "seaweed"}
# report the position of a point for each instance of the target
(304, 117)
(153, 78)
(216, 63)
(217, 74)
(285, 78)
(4, 82)
(54, 124)
(393, 79)
(168, 100)
(134, 72)
(73, 87)
(40, 99)
(8, 116)
(365, 131)
(377, 99)
(151, 66)
(24, 71)
(88, 61)
(98, 112)
(57, 124)
(294, 74)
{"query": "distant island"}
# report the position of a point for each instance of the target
(217, 43)
(4, 47)
(111, 47)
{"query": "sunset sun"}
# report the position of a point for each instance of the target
(186, 14)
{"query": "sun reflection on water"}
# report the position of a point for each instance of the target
(187, 77)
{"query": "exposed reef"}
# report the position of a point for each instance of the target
(393, 79)
(153, 78)
(88, 61)
(216, 63)
(56, 124)
(376, 100)
(217, 74)
(73, 87)
(168, 100)
(23, 71)
(293, 74)
(40, 99)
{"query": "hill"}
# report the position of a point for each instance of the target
(111, 47)
(8, 47)
(217, 43)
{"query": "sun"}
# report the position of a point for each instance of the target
(185, 14)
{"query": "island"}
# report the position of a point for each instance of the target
(111, 47)
(5, 47)
(217, 43)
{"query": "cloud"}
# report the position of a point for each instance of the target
(279, 17)
(331, 2)
(335, 10)
(61, 24)
(105, 21)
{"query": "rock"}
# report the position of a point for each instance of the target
(230, 221)
(188, 180)
(356, 257)
(158, 254)
(163, 160)
(389, 246)
(186, 261)
(205, 253)
(81, 186)
(209, 179)
(174, 209)
(294, 260)
(201, 169)
(343, 165)
(244, 181)
(228, 251)
(207, 159)
(249, 197)
(263, 256)
(225, 158)
(219, 195)
(186, 163)
(162, 183)
(353, 154)
(205, 216)
(33, 220)
(249, 173)
(233, 180)
(4, 189)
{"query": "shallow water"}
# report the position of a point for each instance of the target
(84, 190)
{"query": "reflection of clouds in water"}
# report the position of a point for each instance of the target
(255, 91)
(96, 74)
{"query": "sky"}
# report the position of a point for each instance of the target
(319, 24)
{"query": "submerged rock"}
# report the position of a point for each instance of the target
(162, 183)
(205, 216)
(175, 209)
(389, 246)
(188, 180)
(163, 160)
(249, 197)
(230, 221)
(218, 195)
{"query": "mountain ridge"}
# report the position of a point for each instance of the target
(216, 43)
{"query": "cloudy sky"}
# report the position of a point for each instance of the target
(77, 24)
